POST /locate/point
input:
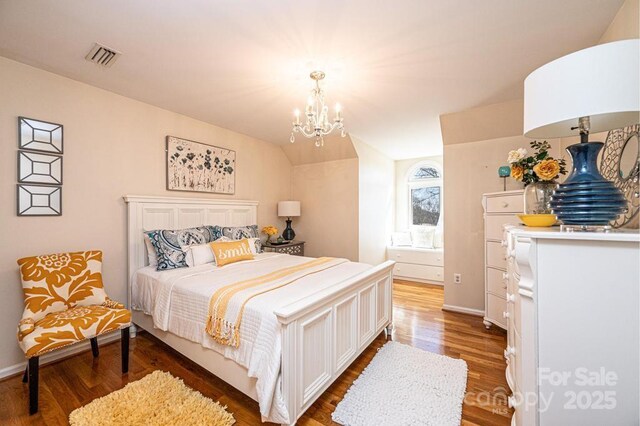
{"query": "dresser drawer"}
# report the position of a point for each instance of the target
(496, 306)
(495, 282)
(421, 257)
(505, 204)
(421, 272)
(496, 255)
(493, 225)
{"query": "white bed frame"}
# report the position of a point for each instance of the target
(321, 334)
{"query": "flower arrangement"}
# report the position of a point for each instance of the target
(270, 231)
(539, 166)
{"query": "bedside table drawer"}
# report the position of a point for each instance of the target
(294, 249)
(297, 250)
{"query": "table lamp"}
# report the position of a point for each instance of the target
(288, 209)
(592, 90)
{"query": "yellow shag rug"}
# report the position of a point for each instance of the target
(157, 399)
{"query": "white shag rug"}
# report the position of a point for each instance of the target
(404, 385)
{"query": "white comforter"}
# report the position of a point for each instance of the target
(178, 300)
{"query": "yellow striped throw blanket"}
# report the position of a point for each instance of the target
(227, 304)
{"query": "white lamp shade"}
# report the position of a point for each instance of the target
(288, 208)
(601, 82)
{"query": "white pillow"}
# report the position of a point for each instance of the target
(253, 244)
(199, 254)
(422, 238)
(151, 251)
(438, 239)
(399, 239)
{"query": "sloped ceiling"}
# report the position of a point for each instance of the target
(244, 64)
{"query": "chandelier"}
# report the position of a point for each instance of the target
(317, 124)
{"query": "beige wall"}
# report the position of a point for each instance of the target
(402, 191)
(328, 193)
(376, 183)
(346, 190)
(483, 123)
(470, 170)
(626, 23)
(305, 151)
(113, 146)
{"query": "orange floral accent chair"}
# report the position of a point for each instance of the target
(65, 303)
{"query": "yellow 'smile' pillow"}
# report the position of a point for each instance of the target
(227, 252)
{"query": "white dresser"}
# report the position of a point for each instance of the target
(417, 264)
(500, 208)
(573, 331)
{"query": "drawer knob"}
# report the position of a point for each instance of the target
(505, 315)
(511, 297)
(505, 204)
(511, 401)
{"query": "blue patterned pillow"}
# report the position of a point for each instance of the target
(240, 232)
(169, 243)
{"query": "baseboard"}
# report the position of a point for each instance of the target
(463, 310)
(419, 281)
(15, 369)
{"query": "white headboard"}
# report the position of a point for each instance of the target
(147, 213)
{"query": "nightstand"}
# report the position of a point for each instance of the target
(295, 248)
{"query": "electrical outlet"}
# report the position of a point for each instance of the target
(457, 278)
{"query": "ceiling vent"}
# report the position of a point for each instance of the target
(102, 55)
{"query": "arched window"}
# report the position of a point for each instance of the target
(425, 194)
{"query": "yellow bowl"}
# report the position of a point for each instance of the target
(538, 220)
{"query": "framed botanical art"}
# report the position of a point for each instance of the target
(37, 135)
(197, 167)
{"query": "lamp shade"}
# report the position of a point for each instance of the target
(600, 82)
(288, 208)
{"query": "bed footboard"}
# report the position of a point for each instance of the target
(324, 333)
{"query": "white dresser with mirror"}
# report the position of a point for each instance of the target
(500, 208)
(573, 326)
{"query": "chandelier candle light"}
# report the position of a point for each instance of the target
(317, 123)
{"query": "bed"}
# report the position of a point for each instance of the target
(297, 339)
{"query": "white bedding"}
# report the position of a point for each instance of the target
(178, 300)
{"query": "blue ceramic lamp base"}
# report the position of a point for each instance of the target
(288, 233)
(586, 200)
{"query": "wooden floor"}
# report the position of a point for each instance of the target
(419, 321)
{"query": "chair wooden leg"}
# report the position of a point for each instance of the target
(25, 376)
(33, 384)
(124, 344)
(94, 347)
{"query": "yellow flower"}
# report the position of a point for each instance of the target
(547, 169)
(270, 230)
(517, 172)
